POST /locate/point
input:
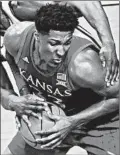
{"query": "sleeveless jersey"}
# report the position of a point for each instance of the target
(55, 88)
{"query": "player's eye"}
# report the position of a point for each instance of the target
(53, 43)
(68, 43)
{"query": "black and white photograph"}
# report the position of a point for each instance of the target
(59, 77)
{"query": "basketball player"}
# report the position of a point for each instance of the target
(60, 67)
(5, 83)
(93, 12)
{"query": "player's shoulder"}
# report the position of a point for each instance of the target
(13, 35)
(85, 68)
(17, 29)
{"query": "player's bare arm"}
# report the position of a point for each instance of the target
(26, 10)
(90, 74)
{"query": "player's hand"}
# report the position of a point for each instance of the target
(109, 60)
(27, 105)
(54, 136)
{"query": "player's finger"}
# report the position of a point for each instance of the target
(25, 119)
(52, 131)
(56, 144)
(53, 142)
(115, 76)
(54, 117)
(112, 74)
(46, 103)
(102, 58)
(33, 98)
(42, 106)
(18, 124)
(47, 139)
(107, 78)
(31, 113)
(108, 70)
(37, 102)
(34, 102)
(48, 111)
(34, 107)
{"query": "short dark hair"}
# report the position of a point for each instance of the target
(56, 17)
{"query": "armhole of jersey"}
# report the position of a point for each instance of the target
(79, 50)
(22, 42)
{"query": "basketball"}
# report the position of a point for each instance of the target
(45, 123)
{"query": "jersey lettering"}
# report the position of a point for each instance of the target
(67, 92)
(30, 79)
(49, 89)
(57, 94)
(39, 84)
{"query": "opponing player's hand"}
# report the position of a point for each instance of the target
(27, 105)
(109, 60)
(54, 136)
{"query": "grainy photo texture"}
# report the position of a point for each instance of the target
(59, 77)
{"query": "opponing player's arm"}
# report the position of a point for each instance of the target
(26, 10)
(86, 73)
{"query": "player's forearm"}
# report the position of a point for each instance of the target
(97, 18)
(5, 98)
(6, 88)
(7, 92)
(97, 110)
(26, 10)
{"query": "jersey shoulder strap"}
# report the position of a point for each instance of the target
(78, 44)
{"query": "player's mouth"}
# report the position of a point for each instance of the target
(57, 61)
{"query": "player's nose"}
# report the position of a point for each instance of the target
(61, 51)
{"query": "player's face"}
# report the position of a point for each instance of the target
(54, 47)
